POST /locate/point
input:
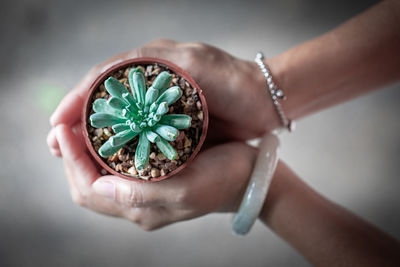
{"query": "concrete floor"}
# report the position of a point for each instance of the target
(349, 153)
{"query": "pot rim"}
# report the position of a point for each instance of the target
(125, 63)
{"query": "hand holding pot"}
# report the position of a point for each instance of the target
(214, 181)
(239, 106)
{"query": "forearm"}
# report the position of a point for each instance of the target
(323, 232)
(359, 56)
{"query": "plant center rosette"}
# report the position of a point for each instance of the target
(145, 119)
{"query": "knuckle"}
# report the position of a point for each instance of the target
(134, 217)
(161, 42)
(149, 227)
(130, 195)
(78, 198)
(142, 218)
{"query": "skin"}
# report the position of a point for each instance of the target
(351, 60)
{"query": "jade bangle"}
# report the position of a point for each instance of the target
(257, 188)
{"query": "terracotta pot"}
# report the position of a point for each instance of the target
(145, 60)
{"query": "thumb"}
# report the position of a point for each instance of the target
(128, 193)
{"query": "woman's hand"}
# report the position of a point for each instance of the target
(239, 105)
(214, 181)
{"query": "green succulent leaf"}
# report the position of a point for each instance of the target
(122, 137)
(142, 152)
(162, 108)
(134, 127)
(167, 132)
(138, 84)
(128, 97)
(166, 149)
(152, 136)
(179, 121)
(117, 128)
(153, 107)
(115, 88)
(152, 122)
(117, 103)
(170, 96)
(151, 96)
(107, 149)
(162, 81)
(100, 120)
(101, 106)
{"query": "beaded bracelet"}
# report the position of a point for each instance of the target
(276, 93)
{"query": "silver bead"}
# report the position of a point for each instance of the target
(280, 94)
(292, 126)
(271, 85)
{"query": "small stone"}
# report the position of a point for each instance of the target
(200, 115)
(180, 136)
(171, 109)
(187, 150)
(198, 105)
(102, 94)
(188, 142)
(149, 70)
(155, 172)
(161, 156)
(132, 171)
(175, 81)
(182, 83)
(97, 143)
(190, 101)
(126, 73)
(152, 155)
(113, 158)
(163, 172)
(156, 71)
(171, 166)
(107, 132)
(98, 132)
(118, 167)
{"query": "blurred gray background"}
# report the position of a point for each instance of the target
(349, 153)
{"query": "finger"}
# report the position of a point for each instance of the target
(162, 42)
(75, 157)
(69, 109)
(51, 140)
(55, 152)
(130, 193)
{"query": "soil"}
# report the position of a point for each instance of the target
(189, 104)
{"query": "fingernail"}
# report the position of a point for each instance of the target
(104, 188)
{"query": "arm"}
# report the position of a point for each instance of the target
(325, 233)
(359, 56)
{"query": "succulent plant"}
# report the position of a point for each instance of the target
(142, 114)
